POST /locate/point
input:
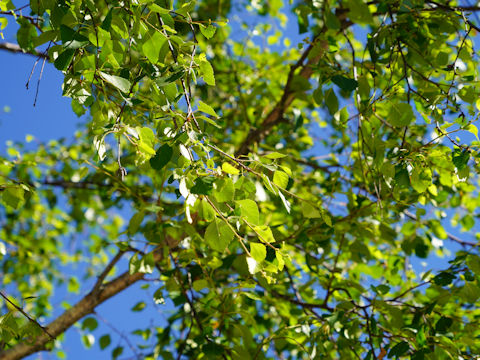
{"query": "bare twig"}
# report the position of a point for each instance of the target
(32, 320)
(103, 275)
(449, 235)
(14, 48)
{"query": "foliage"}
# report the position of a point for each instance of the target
(212, 144)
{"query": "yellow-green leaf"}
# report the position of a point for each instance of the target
(258, 252)
(207, 72)
(280, 178)
(264, 233)
(229, 169)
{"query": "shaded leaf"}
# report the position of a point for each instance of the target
(162, 156)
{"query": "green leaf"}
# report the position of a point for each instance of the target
(331, 101)
(152, 46)
(117, 352)
(26, 34)
(280, 178)
(399, 349)
(213, 350)
(200, 284)
(135, 222)
(186, 8)
(382, 289)
(438, 229)
(89, 324)
(285, 202)
(206, 109)
(203, 185)
(3, 24)
(207, 211)
(100, 147)
(264, 233)
(156, 8)
(120, 83)
(229, 169)
(400, 114)
(208, 31)
(107, 23)
(421, 179)
(13, 196)
(147, 140)
(147, 264)
(218, 235)
(88, 340)
(359, 12)
(104, 341)
(344, 83)
(71, 39)
(208, 120)
(326, 217)
(443, 324)
(473, 263)
(470, 292)
(460, 158)
(225, 190)
(280, 260)
(252, 295)
(274, 155)
(162, 157)
(258, 252)
(309, 211)
(206, 70)
(73, 285)
(332, 21)
(134, 264)
(249, 210)
(473, 129)
(64, 59)
(139, 306)
(444, 278)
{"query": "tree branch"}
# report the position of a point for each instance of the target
(449, 235)
(15, 48)
(82, 308)
(276, 115)
(103, 275)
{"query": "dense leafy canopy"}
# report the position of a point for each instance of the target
(281, 195)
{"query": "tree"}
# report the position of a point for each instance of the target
(199, 163)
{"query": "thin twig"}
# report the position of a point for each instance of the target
(19, 309)
(103, 275)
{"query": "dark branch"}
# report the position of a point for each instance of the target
(276, 115)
